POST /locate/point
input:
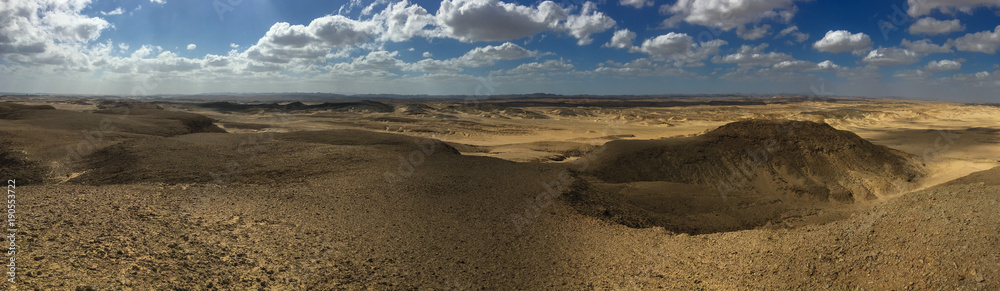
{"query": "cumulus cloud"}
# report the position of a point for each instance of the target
(843, 41)
(668, 44)
(753, 33)
(637, 4)
(638, 67)
(170, 62)
(434, 66)
(161, 2)
(402, 21)
(284, 42)
(621, 39)
(48, 33)
(944, 65)
(374, 61)
(924, 7)
(679, 47)
(748, 56)
(427, 54)
(191, 46)
(728, 14)
(891, 57)
(924, 46)
(534, 67)
(931, 26)
(827, 65)
(588, 22)
(488, 55)
(794, 32)
(493, 20)
(477, 57)
(983, 42)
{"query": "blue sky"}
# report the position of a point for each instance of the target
(929, 49)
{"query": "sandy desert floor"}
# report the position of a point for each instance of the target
(506, 194)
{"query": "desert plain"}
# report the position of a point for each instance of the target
(505, 193)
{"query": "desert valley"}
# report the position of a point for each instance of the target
(525, 193)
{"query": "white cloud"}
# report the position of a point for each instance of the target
(977, 77)
(435, 66)
(668, 44)
(117, 11)
(427, 54)
(924, 7)
(866, 73)
(797, 65)
(373, 61)
(488, 55)
(728, 14)
(588, 22)
(43, 33)
(284, 43)
(891, 57)
(944, 65)
(931, 26)
(753, 33)
(493, 20)
(368, 9)
(638, 67)
(827, 65)
(477, 57)
(233, 45)
(843, 41)
(339, 31)
(912, 75)
(748, 56)
(170, 62)
(924, 46)
(211, 60)
(637, 4)
(621, 39)
(403, 21)
(794, 32)
(680, 48)
(144, 51)
(534, 67)
(191, 46)
(161, 2)
(983, 41)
